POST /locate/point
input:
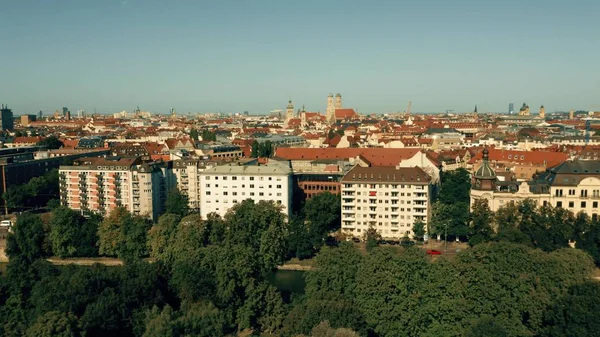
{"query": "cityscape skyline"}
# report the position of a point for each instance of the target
(210, 57)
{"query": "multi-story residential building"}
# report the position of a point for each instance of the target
(574, 185)
(185, 175)
(102, 184)
(388, 198)
(224, 186)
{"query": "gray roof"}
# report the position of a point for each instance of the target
(272, 168)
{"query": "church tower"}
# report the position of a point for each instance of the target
(338, 101)
(542, 112)
(330, 111)
(289, 111)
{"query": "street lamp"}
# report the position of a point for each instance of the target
(446, 243)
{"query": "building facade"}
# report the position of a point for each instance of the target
(226, 185)
(100, 185)
(7, 118)
(574, 185)
(389, 199)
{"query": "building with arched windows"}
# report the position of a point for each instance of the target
(573, 184)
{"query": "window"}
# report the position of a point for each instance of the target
(234, 193)
(207, 185)
(583, 204)
(207, 177)
(278, 186)
(207, 192)
(251, 178)
(234, 178)
(595, 204)
(216, 178)
(559, 204)
(224, 193)
(571, 204)
(251, 194)
(261, 194)
(224, 178)
(270, 178)
(278, 194)
(251, 185)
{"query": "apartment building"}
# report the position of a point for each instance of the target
(224, 186)
(389, 198)
(574, 185)
(102, 184)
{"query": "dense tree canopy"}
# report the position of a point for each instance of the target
(177, 203)
(208, 277)
(35, 193)
(450, 213)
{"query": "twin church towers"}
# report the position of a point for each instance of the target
(333, 103)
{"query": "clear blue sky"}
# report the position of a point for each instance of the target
(204, 56)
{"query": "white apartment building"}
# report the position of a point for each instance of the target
(388, 198)
(224, 186)
(102, 184)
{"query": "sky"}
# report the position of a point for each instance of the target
(238, 55)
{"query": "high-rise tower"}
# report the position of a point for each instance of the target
(7, 117)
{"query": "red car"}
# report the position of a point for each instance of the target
(434, 252)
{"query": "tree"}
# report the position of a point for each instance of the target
(481, 222)
(193, 319)
(27, 238)
(372, 238)
(455, 187)
(123, 234)
(300, 243)
(194, 134)
(454, 216)
(418, 230)
(254, 149)
(575, 314)
(487, 326)
(161, 236)
(50, 143)
(71, 234)
(208, 136)
(177, 203)
(55, 324)
(322, 216)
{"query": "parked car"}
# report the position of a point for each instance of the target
(433, 252)
(407, 243)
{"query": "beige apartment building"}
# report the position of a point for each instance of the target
(102, 184)
(388, 198)
(574, 185)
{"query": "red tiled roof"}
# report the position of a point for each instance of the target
(544, 158)
(345, 113)
(376, 156)
(27, 140)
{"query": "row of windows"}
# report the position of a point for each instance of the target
(418, 187)
(572, 204)
(244, 186)
(260, 194)
(241, 178)
(383, 224)
(572, 192)
(278, 202)
(358, 230)
(380, 216)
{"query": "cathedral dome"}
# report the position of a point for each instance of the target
(338, 95)
(330, 95)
